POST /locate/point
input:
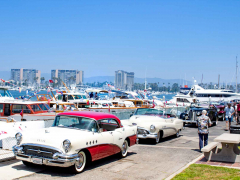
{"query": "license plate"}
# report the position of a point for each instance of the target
(37, 160)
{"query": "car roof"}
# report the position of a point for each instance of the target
(200, 108)
(91, 114)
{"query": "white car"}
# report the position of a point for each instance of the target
(74, 139)
(155, 123)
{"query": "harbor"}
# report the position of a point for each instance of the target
(119, 90)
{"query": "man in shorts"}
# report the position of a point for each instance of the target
(229, 112)
(203, 122)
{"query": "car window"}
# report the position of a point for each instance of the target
(76, 122)
(108, 124)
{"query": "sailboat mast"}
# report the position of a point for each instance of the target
(219, 81)
(236, 73)
(146, 79)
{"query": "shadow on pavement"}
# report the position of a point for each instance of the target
(64, 172)
(153, 141)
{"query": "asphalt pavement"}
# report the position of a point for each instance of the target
(145, 160)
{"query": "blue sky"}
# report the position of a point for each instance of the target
(168, 38)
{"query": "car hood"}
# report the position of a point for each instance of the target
(146, 121)
(54, 136)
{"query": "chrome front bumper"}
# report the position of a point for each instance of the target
(59, 160)
(147, 136)
(190, 121)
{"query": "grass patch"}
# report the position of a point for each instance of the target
(206, 172)
(238, 148)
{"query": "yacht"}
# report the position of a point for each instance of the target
(213, 94)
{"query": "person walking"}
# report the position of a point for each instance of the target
(238, 112)
(203, 122)
(229, 112)
(91, 95)
(235, 110)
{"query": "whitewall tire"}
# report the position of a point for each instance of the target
(158, 137)
(177, 134)
(124, 150)
(80, 164)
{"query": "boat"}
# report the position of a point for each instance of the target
(213, 94)
(5, 94)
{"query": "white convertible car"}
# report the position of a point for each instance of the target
(155, 123)
(74, 139)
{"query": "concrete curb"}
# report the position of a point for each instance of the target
(180, 170)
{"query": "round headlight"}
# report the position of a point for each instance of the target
(152, 128)
(66, 145)
(18, 137)
(218, 110)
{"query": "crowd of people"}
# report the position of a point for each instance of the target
(93, 96)
(232, 112)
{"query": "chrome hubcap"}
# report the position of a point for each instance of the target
(124, 147)
(79, 162)
(158, 137)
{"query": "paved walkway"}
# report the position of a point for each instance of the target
(15, 169)
(6, 155)
(145, 161)
(222, 164)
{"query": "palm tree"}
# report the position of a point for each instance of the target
(36, 79)
(42, 80)
(71, 79)
(25, 82)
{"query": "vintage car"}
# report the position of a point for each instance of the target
(155, 123)
(75, 138)
(190, 116)
(220, 111)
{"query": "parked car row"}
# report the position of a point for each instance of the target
(78, 137)
(215, 113)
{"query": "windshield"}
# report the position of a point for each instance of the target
(164, 113)
(43, 107)
(138, 97)
(148, 112)
(76, 122)
(5, 93)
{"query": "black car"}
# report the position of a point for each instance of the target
(190, 116)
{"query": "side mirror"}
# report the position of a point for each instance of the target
(131, 115)
(101, 130)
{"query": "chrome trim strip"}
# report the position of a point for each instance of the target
(43, 146)
(77, 150)
(50, 162)
(60, 155)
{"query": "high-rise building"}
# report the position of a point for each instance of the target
(16, 75)
(124, 80)
(29, 76)
(67, 76)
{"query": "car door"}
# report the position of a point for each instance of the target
(105, 141)
(118, 136)
(171, 126)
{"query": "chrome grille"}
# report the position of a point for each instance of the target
(38, 151)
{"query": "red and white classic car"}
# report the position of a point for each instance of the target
(74, 139)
